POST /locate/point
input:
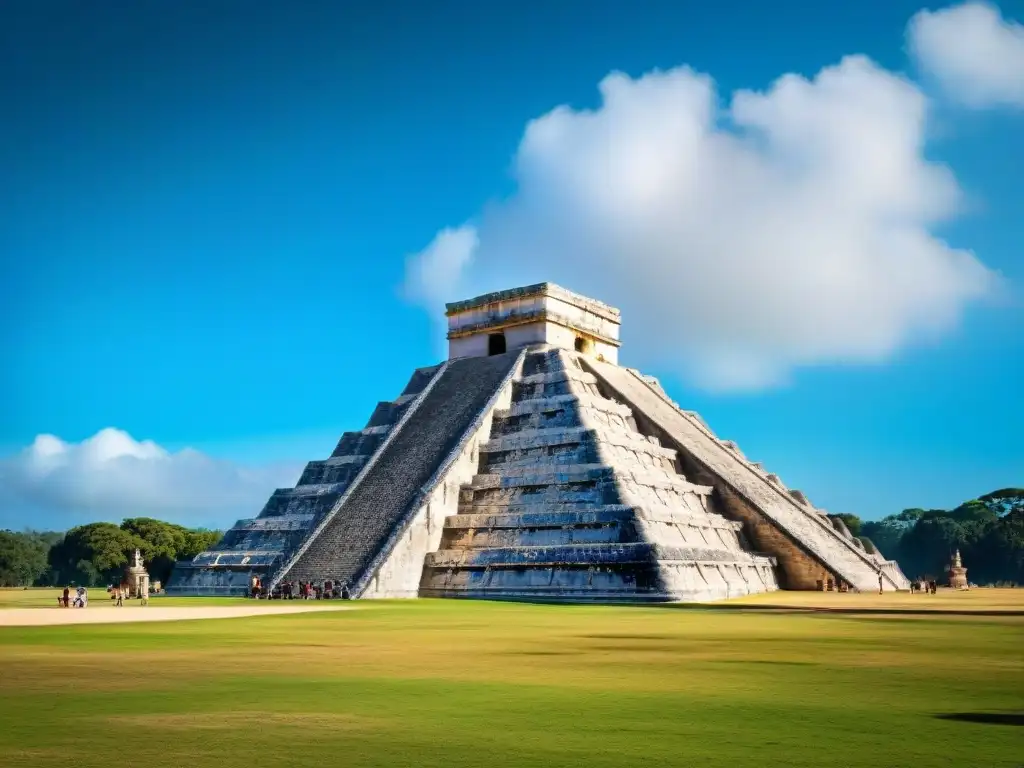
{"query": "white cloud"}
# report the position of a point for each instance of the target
(975, 54)
(110, 476)
(792, 228)
(440, 264)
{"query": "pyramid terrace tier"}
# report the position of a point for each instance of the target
(596, 573)
(601, 524)
(266, 534)
(573, 445)
(335, 470)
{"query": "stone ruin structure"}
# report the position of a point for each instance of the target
(957, 573)
(136, 577)
(531, 465)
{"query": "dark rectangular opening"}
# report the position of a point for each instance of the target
(496, 344)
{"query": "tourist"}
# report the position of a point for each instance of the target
(119, 592)
(879, 582)
(67, 596)
(344, 592)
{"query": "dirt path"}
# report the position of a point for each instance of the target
(39, 617)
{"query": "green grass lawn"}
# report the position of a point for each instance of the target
(769, 681)
(98, 598)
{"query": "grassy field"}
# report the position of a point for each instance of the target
(98, 598)
(787, 679)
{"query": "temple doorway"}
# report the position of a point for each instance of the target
(496, 344)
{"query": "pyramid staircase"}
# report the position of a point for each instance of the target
(573, 502)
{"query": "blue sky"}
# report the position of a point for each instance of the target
(206, 217)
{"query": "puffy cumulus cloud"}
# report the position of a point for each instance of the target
(111, 475)
(792, 227)
(431, 272)
(975, 54)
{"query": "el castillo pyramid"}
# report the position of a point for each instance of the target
(531, 465)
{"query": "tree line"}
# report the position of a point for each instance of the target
(988, 531)
(96, 554)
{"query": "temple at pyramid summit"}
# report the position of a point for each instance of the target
(530, 465)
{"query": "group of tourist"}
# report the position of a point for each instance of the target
(299, 590)
(81, 599)
(123, 591)
(921, 585)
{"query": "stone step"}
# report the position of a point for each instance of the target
(278, 523)
(562, 402)
(361, 443)
(556, 376)
(630, 582)
(388, 412)
(338, 469)
(543, 475)
(554, 384)
(538, 516)
(528, 439)
(604, 492)
(539, 362)
(554, 456)
(587, 555)
(419, 380)
(618, 523)
(301, 501)
(612, 532)
(237, 558)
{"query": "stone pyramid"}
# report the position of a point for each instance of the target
(530, 465)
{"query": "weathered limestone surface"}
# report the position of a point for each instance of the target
(572, 502)
(260, 545)
(805, 542)
(348, 546)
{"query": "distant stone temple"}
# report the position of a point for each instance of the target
(531, 465)
(957, 572)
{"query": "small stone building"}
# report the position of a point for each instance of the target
(957, 572)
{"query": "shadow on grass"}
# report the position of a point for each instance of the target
(751, 607)
(986, 718)
(754, 608)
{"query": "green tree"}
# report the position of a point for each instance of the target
(1003, 545)
(23, 557)
(93, 554)
(197, 541)
(165, 543)
(1004, 501)
(926, 548)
